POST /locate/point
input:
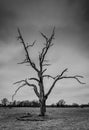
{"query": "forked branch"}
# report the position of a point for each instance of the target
(24, 83)
(28, 59)
(48, 44)
(28, 45)
(59, 77)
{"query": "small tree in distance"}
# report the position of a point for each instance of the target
(41, 71)
(4, 102)
(61, 103)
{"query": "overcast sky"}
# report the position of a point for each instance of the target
(71, 48)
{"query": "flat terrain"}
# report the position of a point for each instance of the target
(59, 119)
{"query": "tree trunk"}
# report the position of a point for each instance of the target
(42, 107)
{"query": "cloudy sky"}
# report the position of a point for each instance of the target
(71, 48)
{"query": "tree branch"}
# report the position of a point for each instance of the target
(73, 77)
(18, 90)
(28, 59)
(27, 46)
(24, 62)
(44, 36)
(46, 64)
(49, 76)
(34, 79)
(35, 89)
(48, 44)
(58, 76)
(44, 71)
(25, 82)
(20, 81)
(65, 70)
(63, 77)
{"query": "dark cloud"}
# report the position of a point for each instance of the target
(7, 20)
(33, 14)
(83, 5)
(86, 10)
(17, 13)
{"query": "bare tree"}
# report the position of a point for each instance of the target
(43, 64)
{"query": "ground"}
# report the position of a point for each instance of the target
(56, 119)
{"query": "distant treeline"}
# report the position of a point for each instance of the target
(26, 103)
(61, 103)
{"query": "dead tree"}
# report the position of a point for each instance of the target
(43, 64)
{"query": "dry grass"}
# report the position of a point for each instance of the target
(57, 119)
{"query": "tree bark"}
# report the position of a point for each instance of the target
(42, 107)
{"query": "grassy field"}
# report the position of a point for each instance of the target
(59, 119)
